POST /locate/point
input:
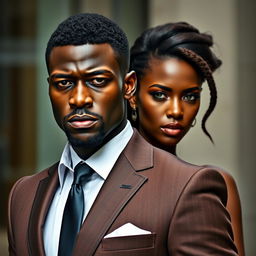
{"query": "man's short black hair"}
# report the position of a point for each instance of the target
(91, 28)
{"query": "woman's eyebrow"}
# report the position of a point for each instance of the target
(197, 88)
(161, 87)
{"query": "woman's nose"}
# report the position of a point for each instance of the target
(175, 109)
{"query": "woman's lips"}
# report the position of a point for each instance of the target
(172, 129)
(171, 132)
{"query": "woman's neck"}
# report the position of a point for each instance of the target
(169, 148)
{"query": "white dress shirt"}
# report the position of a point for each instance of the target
(101, 162)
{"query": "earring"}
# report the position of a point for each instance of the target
(193, 123)
(134, 115)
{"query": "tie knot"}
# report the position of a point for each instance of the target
(82, 173)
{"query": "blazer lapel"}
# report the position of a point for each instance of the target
(121, 185)
(43, 197)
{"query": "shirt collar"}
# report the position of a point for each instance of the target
(102, 161)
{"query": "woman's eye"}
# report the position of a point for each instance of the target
(191, 97)
(97, 81)
(159, 95)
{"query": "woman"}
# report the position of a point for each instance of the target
(171, 62)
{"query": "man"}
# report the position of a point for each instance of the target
(136, 199)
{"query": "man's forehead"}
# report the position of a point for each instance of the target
(84, 50)
(83, 57)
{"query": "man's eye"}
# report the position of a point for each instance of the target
(97, 81)
(64, 84)
(159, 95)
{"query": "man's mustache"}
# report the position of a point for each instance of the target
(81, 111)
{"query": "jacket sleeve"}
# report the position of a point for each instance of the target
(201, 224)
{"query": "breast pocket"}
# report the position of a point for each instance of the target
(128, 245)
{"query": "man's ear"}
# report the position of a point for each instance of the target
(133, 102)
(130, 84)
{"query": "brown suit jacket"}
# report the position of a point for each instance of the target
(181, 204)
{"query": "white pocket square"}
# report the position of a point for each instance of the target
(127, 229)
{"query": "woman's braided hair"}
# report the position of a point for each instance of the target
(180, 40)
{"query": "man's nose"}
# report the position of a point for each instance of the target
(175, 109)
(80, 96)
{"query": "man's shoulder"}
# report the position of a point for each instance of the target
(30, 180)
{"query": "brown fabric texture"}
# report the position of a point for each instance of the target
(182, 205)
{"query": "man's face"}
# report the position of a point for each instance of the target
(87, 93)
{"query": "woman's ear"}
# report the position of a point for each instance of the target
(130, 84)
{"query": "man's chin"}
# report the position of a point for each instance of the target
(90, 142)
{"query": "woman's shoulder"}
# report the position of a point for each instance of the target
(229, 179)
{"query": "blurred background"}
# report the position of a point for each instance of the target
(29, 138)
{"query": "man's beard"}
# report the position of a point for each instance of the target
(94, 141)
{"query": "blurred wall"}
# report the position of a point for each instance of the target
(246, 117)
(50, 140)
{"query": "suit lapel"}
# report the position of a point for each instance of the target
(43, 197)
(121, 185)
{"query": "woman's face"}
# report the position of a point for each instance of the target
(167, 101)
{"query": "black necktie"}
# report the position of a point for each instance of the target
(74, 210)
